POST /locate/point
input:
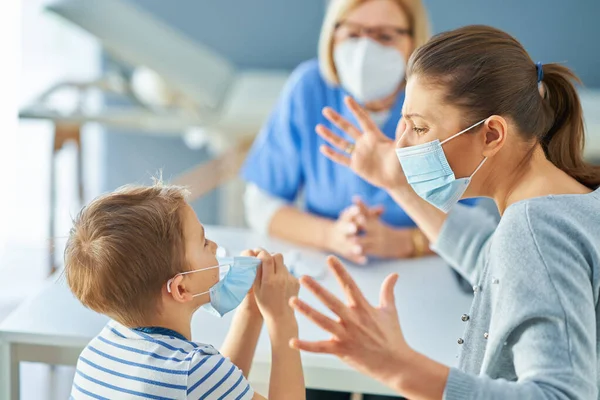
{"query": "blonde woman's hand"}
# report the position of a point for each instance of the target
(343, 237)
(379, 239)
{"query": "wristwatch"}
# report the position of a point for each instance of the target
(419, 243)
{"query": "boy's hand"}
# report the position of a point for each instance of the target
(273, 288)
(249, 302)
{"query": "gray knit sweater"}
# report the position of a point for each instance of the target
(532, 330)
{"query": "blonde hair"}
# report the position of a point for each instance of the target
(123, 247)
(339, 9)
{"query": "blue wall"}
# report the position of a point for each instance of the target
(282, 33)
(251, 33)
(133, 158)
(551, 30)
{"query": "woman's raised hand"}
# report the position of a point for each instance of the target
(372, 155)
(366, 337)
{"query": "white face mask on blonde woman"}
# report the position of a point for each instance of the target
(368, 70)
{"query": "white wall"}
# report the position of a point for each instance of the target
(50, 51)
(9, 47)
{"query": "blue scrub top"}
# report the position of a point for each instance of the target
(285, 158)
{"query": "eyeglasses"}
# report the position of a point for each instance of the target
(386, 35)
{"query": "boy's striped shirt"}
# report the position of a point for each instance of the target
(123, 363)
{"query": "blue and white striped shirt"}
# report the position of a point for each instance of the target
(123, 363)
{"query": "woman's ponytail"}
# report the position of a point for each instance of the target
(564, 141)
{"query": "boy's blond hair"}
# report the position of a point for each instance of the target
(122, 249)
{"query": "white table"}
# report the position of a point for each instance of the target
(52, 327)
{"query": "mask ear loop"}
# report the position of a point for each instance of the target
(200, 294)
(191, 272)
(463, 131)
(478, 167)
(460, 133)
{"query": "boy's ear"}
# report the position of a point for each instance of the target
(179, 293)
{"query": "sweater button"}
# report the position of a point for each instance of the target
(486, 335)
(464, 318)
(460, 341)
(475, 289)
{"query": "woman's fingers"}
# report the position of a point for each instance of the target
(358, 256)
(325, 346)
(319, 319)
(354, 251)
(376, 211)
(386, 296)
(350, 228)
(325, 296)
(360, 204)
(335, 156)
(342, 123)
(365, 241)
(352, 291)
(349, 215)
(364, 120)
(334, 139)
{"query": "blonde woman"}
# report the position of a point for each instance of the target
(363, 50)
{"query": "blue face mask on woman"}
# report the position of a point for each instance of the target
(429, 174)
(231, 289)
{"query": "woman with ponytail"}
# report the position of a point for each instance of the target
(480, 118)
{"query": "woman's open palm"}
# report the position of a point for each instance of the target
(372, 154)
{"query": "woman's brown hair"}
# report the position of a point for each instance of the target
(485, 71)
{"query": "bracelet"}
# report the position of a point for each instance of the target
(419, 243)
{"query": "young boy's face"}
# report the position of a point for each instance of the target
(199, 252)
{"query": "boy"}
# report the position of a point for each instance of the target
(127, 257)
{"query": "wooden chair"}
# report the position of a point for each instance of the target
(63, 133)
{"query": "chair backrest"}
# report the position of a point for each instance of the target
(134, 36)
